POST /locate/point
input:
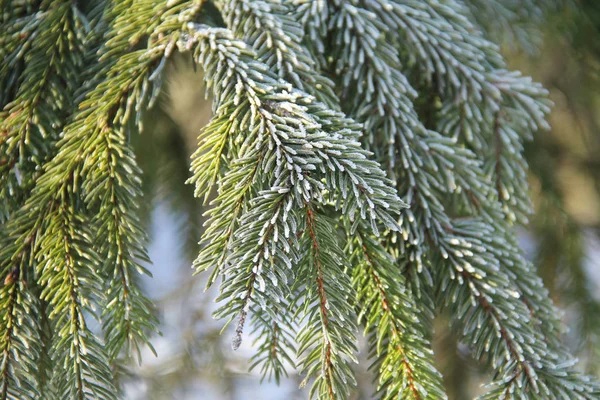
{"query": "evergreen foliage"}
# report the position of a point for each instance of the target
(363, 167)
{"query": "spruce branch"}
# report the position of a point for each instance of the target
(276, 37)
(67, 273)
(528, 105)
(468, 72)
(313, 17)
(49, 44)
(390, 316)
(458, 60)
(17, 29)
(43, 50)
(511, 23)
(287, 128)
(327, 341)
(383, 101)
(308, 99)
(296, 149)
(110, 178)
(19, 343)
(234, 193)
(427, 222)
(260, 262)
(492, 316)
(107, 182)
(52, 232)
(95, 163)
(475, 91)
(128, 315)
(276, 344)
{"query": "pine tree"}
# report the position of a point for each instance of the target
(363, 168)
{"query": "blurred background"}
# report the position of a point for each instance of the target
(558, 45)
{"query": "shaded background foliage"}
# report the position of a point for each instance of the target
(559, 46)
